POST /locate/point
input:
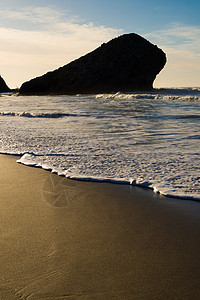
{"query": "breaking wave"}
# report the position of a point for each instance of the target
(190, 94)
(53, 115)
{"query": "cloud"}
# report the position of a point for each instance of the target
(181, 44)
(177, 34)
(34, 14)
(36, 40)
(58, 41)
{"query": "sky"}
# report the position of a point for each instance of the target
(40, 36)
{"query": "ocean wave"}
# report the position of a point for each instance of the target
(147, 143)
(156, 94)
(30, 159)
(188, 117)
(37, 115)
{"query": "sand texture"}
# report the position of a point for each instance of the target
(64, 239)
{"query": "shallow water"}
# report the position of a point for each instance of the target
(150, 139)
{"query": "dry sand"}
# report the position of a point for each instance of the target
(64, 239)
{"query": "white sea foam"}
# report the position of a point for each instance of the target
(149, 139)
(157, 94)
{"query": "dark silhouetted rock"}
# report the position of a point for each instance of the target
(3, 86)
(127, 63)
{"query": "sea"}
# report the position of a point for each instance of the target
(149, 139)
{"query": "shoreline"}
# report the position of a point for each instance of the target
(103, 180)
(66, 239)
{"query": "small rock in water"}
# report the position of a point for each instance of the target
(3, 86)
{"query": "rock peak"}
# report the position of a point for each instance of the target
(3, 86)
(126, 63)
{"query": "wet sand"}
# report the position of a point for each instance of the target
(64, 239)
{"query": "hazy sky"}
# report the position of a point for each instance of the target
(39, 36)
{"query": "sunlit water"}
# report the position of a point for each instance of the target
(150, 139)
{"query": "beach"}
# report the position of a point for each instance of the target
(66, 239)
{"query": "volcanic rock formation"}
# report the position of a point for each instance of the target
(3, 86)
(127, 63)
